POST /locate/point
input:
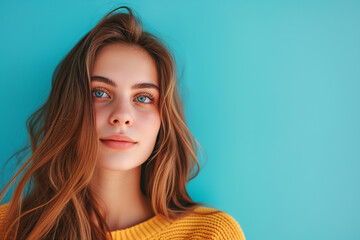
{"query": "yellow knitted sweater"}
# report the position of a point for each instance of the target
(194, 226)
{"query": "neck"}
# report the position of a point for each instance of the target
(123, 203)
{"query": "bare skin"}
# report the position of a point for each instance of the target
(123, 110)
(125, 205)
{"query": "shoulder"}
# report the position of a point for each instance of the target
(3, 210)
(213, 224)
(224, 225)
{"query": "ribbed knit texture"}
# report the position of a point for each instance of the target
(215, 226)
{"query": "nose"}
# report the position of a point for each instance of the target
(121, 114)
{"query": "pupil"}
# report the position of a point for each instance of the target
(98, 94)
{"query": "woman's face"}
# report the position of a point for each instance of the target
(124, 84)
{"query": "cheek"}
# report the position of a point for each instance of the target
(147, 125)
(100, 118)
(148, 120)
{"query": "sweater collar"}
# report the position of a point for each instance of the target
(143, 230)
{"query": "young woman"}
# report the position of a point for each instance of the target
(111, 153)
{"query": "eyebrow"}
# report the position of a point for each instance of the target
(112, 83)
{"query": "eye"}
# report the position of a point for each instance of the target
(99, 92)
(143, 96)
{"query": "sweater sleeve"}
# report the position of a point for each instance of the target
(3, 209)
(228, 228)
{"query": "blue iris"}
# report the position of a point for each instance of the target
(99, 93)
(142, 97)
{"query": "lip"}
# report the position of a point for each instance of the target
(118, 145)
(119, 138)
(118, 141)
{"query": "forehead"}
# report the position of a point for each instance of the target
(125, 63)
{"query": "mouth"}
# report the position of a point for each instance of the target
(119, 145)
(105, 140)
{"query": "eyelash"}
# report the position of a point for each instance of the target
(150, 96)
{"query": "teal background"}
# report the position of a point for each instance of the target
(271, 92)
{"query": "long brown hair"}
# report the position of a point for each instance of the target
(63, 138)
